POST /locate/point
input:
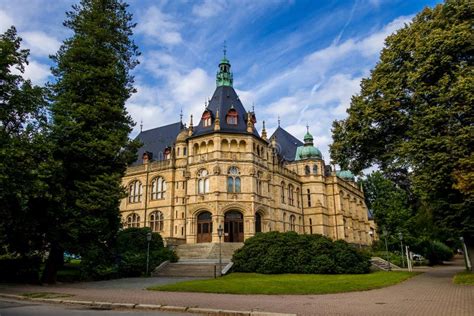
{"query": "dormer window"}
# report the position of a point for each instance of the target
(206, 119)
(231, 117)
(167, 153)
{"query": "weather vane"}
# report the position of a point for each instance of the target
(225, 48)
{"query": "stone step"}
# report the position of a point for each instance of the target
(207, 250)
(188, 270)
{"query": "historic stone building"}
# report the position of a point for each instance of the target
(188, 181)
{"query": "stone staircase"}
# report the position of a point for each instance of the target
(198, 260)
(382, 264)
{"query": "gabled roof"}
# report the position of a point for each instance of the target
(224, 99)
(156, 140)
(287, 144)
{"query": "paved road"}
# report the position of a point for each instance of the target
(431, 293)
(17, 308)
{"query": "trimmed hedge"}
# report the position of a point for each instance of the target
(275, 253)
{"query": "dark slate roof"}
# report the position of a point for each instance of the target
(156, 140)
(286, 144)
(224, 99)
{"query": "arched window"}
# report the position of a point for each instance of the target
(231, 117)
(203, 181)
(284, 222)
(292, 223)
(291, 199)
(298, 197)
(167, 153)
(206, 119)
(315, 169)
(309, 198)
(258, 223)
(135, 192)
(282, 192)
(233, 180)
(133, 220)
(156, 221)
(310, 226)
(259, 183)
(307, 170)
(158, 188)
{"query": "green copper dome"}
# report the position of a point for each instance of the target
(345, 174)
(308, 151)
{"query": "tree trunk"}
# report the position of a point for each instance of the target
(53, 263)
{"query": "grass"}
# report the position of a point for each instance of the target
(45, 295)
(464, 278)
(253, 283)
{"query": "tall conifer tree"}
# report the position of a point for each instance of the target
(90, 130)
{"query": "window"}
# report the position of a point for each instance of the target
(156, 221)
(315, 169)
(206, 119)
(309, 198)
(158, 188)
(292, 223)
(259, 183)
(284, 222)
(133, 220)
(231, 117)
(307, 170)
(184, 151)
(298, 197)
(167, 153)
(203, 181)
(135, 192)
(310, 226)
(178, 151)
(282, 192)
(233, 180)
(291, 194)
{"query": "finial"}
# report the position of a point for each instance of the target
(307, 127)
(278, 120)
(141, 125)
(181, 116)
(253, 107)
(225, 49)
(264, 131)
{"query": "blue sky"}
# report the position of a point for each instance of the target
(297, 60)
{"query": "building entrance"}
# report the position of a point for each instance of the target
(204, 227)
(233, 227)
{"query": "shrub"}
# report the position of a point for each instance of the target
(19, 268)
(275, 252)
(435, 251)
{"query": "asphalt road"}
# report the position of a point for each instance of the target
(24, 308)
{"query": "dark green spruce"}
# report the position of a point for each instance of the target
(414, 117)
(90, 131)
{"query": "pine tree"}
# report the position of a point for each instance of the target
(90, 130)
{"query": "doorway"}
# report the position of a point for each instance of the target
(204, 227)
(233, 227)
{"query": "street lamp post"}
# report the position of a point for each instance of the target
(148, 239)
(220, 232)
(400, 235)
(385, 233)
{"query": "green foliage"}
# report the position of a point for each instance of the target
(252, 283)
(275, 252)
(414, 117)
(90, 133)
(435, 251)
(19, 268)
(24, 152)
(464, 278)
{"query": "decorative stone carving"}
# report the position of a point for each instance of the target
(216, 170)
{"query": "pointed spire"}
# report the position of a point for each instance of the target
(307, 127)
(141, 125)
(217, 122)
(181, 116)
(278, 120)
(249, 122)
(224, 75)
(191, 126)
(264, 132)
(225, 49)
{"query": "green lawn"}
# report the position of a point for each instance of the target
(464, 278)
(253, 283)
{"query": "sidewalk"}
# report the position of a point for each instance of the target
(431, 293)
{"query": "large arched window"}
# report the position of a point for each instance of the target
(156, 221)
(133, 220)
(282, 198)
(292, 223)
(307, 170)
(206, 119)
(233, 180)
(203, 181)
(291, 198)
(231, 117)
(158, 188)
(135, 192)
(315, 169)
(284, 222)
(309, 198)
(298, 197)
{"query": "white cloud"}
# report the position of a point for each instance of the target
(5, 21)
(38, 73)
(159, 26)
(208, 8)
(40, 44)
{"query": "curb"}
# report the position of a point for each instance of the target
(168, 308)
